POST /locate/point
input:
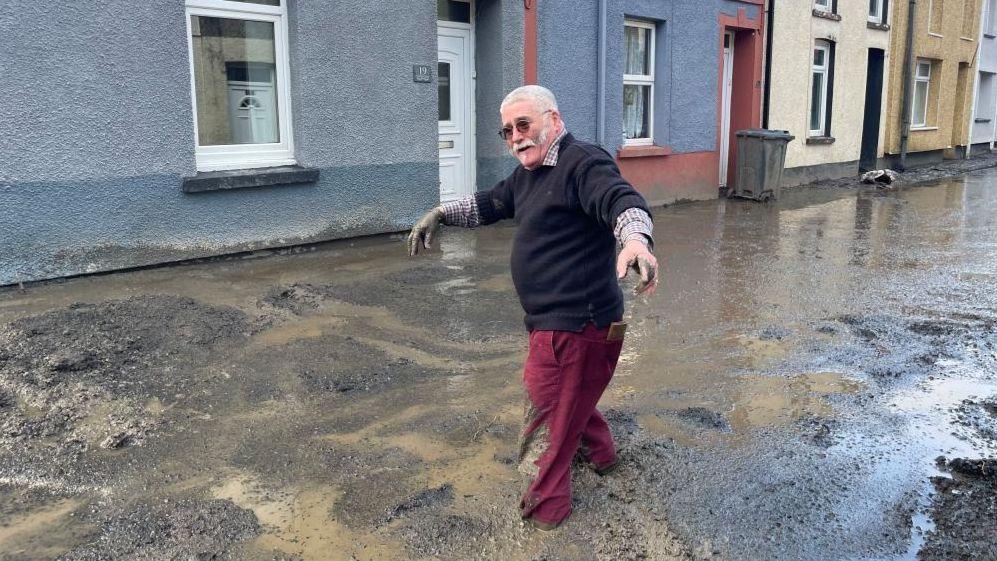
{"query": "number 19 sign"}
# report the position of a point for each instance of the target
(421, 73)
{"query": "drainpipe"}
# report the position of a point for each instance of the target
(908, 67)
(768, 63)
(600, 118)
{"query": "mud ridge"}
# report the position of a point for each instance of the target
(185, 529)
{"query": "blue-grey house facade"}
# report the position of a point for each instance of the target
(100, 136)
(678, 143)
(146, 133)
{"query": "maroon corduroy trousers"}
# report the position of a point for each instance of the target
(564, 376)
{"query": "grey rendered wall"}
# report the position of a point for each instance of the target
(986, 101)
(687, 65)
(499, 66)
(100, 135)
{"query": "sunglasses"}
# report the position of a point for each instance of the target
(522, 125)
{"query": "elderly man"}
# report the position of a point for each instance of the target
(572, 208)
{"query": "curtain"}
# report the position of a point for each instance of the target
(636, 46)
(636, 98)
(635, 108)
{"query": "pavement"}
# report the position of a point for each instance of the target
(815, 379)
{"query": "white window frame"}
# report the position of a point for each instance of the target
(932, 19)
(643, 80)
(877, 16)
(926, 79)
(825, 71)
(246, 156)
(823, 5)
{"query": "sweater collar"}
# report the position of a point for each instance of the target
(555, 149)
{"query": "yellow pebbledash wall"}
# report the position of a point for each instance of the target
(946, 33)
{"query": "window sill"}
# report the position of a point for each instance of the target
(642, 151)
(826, 15)
(933, 34)
(878, 26)
(820, 140)
(916, 129)
(242, 178)
(970, 39)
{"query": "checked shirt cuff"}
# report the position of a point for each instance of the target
(633, 223)
(462, 212)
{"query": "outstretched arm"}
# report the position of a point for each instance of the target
(633, 232)
(472, 211)
(461, 212)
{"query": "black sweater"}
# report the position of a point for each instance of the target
(564, 252)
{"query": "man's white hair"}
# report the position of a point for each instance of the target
(542, 98)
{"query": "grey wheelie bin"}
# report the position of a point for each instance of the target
(761, 155)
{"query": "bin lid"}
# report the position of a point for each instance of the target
(766, 133)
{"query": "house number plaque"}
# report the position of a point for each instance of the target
(421, 73)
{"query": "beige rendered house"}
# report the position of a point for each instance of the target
(941, 80)
(826, 84)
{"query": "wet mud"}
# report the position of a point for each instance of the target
(923, 174)
(964, 503)
(815, 380)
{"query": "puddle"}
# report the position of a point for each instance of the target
(35, 535)
(762, 351)
(457, 286)
(666, 427)
(155, 407)
(764, 401)
(297, 521)
(312, 327)
(497, 283)
(930, 403)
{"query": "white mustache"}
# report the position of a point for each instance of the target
(524, 144)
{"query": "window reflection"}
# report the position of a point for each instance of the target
(235, 81)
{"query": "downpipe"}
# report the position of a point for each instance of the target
(768, 64)
(600, 135)
(907, 77)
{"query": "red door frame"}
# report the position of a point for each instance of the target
(530, 42)
(746, 94)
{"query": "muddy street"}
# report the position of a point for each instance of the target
(816, 379)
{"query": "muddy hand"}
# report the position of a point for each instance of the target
(636, 255)
(424, 230)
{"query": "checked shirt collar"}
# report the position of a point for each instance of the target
(555, 147)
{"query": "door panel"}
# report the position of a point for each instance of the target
(727, 77)
(868, 153)
(455, 98)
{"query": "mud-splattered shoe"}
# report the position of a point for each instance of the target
(604, 471)
(541, 525)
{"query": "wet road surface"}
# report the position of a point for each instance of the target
(787, 394)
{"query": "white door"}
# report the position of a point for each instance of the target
(727, 77)
(252, 110)
(456, 103)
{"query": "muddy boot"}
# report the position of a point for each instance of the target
(604, 471)
(541, 525)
